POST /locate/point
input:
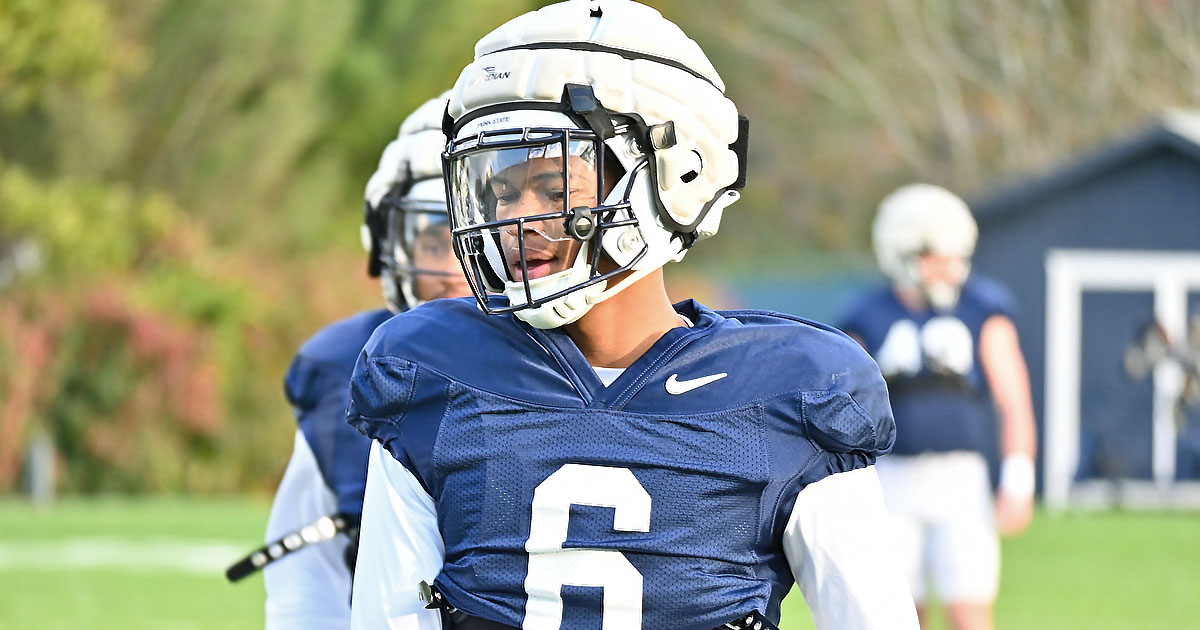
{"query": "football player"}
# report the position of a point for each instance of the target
(569, 450)
(946, 344)
(407, 234)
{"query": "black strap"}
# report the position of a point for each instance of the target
(455, 619)
(626, 53)
(322, 529)
(926, 382)
(451, 616)
(753, 621)
(581, 100)
(468, 622)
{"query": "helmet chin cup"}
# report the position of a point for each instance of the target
(942, 296)
(563, 310)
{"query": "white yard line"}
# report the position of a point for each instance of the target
(127, 554)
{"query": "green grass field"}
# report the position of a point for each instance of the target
(69, 567)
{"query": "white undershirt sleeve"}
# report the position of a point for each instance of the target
(308, 589)
(842, 558)
(399, 546)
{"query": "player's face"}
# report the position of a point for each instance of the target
(535, 187)
(942, 269)
(439, 275)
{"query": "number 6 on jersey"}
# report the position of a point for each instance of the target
(551, 567)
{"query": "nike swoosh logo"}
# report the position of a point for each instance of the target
(677, 387)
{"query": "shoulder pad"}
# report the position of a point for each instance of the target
(992, 296)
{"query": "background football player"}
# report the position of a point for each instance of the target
(407, 233)
(569, 450)
(946, 344)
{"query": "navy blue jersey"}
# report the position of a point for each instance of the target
(317, 385)
(931, 362)
(674, 482)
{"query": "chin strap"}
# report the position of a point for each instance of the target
(563, 310)
(580, 99)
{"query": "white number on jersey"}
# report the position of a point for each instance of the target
(551, 566)
(944, 343)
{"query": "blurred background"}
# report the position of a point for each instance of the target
(180, 195)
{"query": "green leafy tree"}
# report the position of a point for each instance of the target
(181, 182)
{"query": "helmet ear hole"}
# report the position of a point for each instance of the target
(691, 175)
(697, 166)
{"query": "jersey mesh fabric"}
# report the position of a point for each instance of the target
(705, 476)
(485, 416)
(317, 385)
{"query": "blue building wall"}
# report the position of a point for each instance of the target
(1143, 195)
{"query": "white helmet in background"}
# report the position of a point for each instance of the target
(607, 90)
(405, 197)
(923, 219)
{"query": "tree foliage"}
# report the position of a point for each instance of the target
(186, 176)
(860, 96)
(180, 181)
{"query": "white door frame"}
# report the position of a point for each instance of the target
(1070, 272)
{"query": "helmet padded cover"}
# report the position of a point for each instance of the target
(416, 151)
(920, 218)
(414, 157)
(692, 172)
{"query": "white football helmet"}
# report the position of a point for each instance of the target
(923, 219)
(406, 198)
(561, 105)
